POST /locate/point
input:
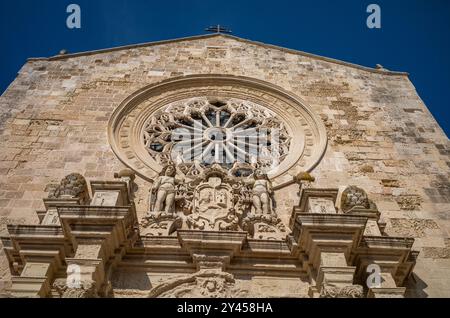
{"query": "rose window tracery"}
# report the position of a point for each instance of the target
(223, 131)
(240, 123)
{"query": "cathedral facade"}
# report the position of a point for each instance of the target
(215, 166)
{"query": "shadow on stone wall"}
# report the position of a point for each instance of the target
(138, 281)
(415, 287)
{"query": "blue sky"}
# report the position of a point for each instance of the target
(415, 34)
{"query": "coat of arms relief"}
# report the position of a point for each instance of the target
(191, 196)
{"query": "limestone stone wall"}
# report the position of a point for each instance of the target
(54, 117)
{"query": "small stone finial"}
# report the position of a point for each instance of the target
(381, 67)
(304, 176)
(63, 52)
(127, 176)
(125, 173)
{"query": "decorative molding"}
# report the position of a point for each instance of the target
(330, 249)
(198, 37)
(87, 289)
(352, 291)
(129, 120)
(207, 283)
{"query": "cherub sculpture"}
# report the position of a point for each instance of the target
(164, 190)
(261, 192)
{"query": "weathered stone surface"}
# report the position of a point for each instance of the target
(54, 121)
(412, 227)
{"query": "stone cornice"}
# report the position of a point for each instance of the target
(199, 37)
(31, 242)
(328, 249)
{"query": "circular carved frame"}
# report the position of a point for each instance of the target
(309, 139)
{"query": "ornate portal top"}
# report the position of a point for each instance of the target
(188, 196)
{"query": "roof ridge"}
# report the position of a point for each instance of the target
(205, 36)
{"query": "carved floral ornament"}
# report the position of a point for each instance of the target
(217, 119)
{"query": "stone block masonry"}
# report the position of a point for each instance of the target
(54, 119)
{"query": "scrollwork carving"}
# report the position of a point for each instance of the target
(352, 291)
(207, 283)
(264, 226)
(155, 224)
(87, 289)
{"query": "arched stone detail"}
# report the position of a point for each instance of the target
(129, 120)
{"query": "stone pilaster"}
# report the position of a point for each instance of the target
(384, 286)
(326, 242)
(384, 263)
(387, 287)
(102, 233)
(36, 254)
(33, 282)
(335, 278)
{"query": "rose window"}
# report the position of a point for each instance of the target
(223, 131)
(200, 120)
